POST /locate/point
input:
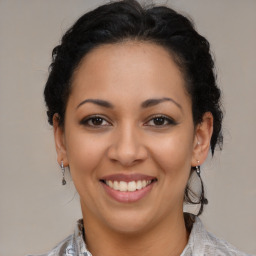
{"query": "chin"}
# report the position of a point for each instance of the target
(129, 226)
(130, 222)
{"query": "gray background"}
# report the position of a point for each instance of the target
(36, 212)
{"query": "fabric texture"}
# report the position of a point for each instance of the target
(201, 243)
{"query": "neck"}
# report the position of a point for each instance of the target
(167, 238)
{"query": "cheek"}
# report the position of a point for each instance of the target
(84, 153)
(173, 156)
(174, 152)
(174, 159)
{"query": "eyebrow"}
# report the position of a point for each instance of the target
(99, 102)
(144, 104)
(153, 102)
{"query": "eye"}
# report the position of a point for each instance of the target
(160, 121)
(95, 121)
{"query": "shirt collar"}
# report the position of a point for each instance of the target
(79, 241)
(192, 248)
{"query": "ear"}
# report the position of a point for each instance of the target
(202, 139)
(59, 141)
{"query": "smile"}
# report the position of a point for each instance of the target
(128, 188)
(131, 186)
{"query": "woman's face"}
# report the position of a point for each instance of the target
(129, 136)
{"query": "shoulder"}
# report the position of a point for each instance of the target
(65, 247)
(203, 243)
(221, 247)
(73, 245)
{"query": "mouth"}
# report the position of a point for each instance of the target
(131, 186)
(128, 188)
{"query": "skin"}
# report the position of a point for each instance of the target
(127, 139)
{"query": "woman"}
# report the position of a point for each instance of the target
(135, 108)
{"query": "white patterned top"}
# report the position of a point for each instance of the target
(201, 243)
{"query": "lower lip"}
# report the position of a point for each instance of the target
(128, 197)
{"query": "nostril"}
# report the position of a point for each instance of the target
(127, 151)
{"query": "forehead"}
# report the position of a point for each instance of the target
(128, 68)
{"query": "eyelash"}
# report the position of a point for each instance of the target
(91, 118)
(167, 121)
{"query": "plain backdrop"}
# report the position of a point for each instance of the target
(36, 211)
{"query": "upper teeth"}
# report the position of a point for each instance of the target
(128, 186)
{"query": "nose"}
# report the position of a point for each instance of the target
(127, 147)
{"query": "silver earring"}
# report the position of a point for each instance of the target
(198, 171)
(203, 200)
(63, 173)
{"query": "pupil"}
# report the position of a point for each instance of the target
(97, 121)
(159, 121)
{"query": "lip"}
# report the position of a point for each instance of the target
(128, 177)
(128, 197)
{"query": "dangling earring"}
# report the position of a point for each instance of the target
(202, 199)
(63, 173)
(198, 171)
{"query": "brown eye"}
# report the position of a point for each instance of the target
(160, 121)
(95, 121)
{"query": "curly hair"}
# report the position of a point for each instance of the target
(128, 20)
